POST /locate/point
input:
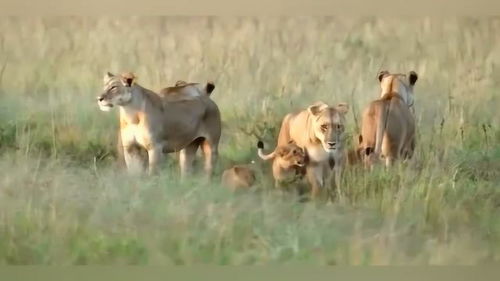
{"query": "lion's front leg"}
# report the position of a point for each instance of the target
(337, 174)
(314, 173)
(333, 176)
(337, 171)
(155, 156)
(133, 159)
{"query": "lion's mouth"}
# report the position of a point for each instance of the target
(105, 106)
(330, 146)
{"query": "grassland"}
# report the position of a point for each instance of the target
(63, 199)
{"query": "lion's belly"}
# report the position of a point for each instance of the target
(178, 136)
(171, 140)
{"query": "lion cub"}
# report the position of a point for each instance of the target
(288, 164)
(238, 177)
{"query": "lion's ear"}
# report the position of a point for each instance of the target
(210, 87)
(317, 107)
(412, 77)
(108, 75)
(128, 79)
(180, 83)
(382, 74)
(342, 107)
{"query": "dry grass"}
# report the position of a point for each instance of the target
(63, 201)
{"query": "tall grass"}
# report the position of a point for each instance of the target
(64, 201)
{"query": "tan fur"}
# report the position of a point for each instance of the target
(184, 90)
(238, 177)
(319, 130)
(353, 157)
(289, 162)
(182, 122)
(388, 124)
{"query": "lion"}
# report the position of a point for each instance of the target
(238, 177)
(388, 124)
(319, 131)
(182, 121)
(288, 162)
(179, 90)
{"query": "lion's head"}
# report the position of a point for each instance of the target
(292, 155)
(117, 90)
(401, 84)
(328, 124)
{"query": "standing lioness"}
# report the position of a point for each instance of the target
(176, 122)
(388, 124)
(319, 130)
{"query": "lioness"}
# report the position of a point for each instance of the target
(288, 162)
(388, 124)
(238, 177)
(181, 121)
(319, 130)
(178, 91)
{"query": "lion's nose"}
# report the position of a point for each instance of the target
(331, 143)
(100, 98)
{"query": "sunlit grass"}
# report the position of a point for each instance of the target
(63, 199)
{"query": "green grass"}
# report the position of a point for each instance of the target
(64, 200)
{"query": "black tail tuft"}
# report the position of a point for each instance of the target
(210, 87)
(260, 145)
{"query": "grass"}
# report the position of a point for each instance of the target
(63, 199)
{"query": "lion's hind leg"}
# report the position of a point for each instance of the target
(186, 158)
(211, 153)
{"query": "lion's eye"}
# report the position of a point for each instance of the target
(324, 127)
(112, 88)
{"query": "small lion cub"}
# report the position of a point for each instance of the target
(288, 164)
(238, 177)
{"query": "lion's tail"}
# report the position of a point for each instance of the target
(382, 124)
(209, 88)
(260, 147)
(384, 115)
(380, 130)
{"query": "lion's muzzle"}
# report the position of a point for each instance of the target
(331, 145)
(104, 105)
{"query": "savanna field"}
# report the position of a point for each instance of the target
(65, 199)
